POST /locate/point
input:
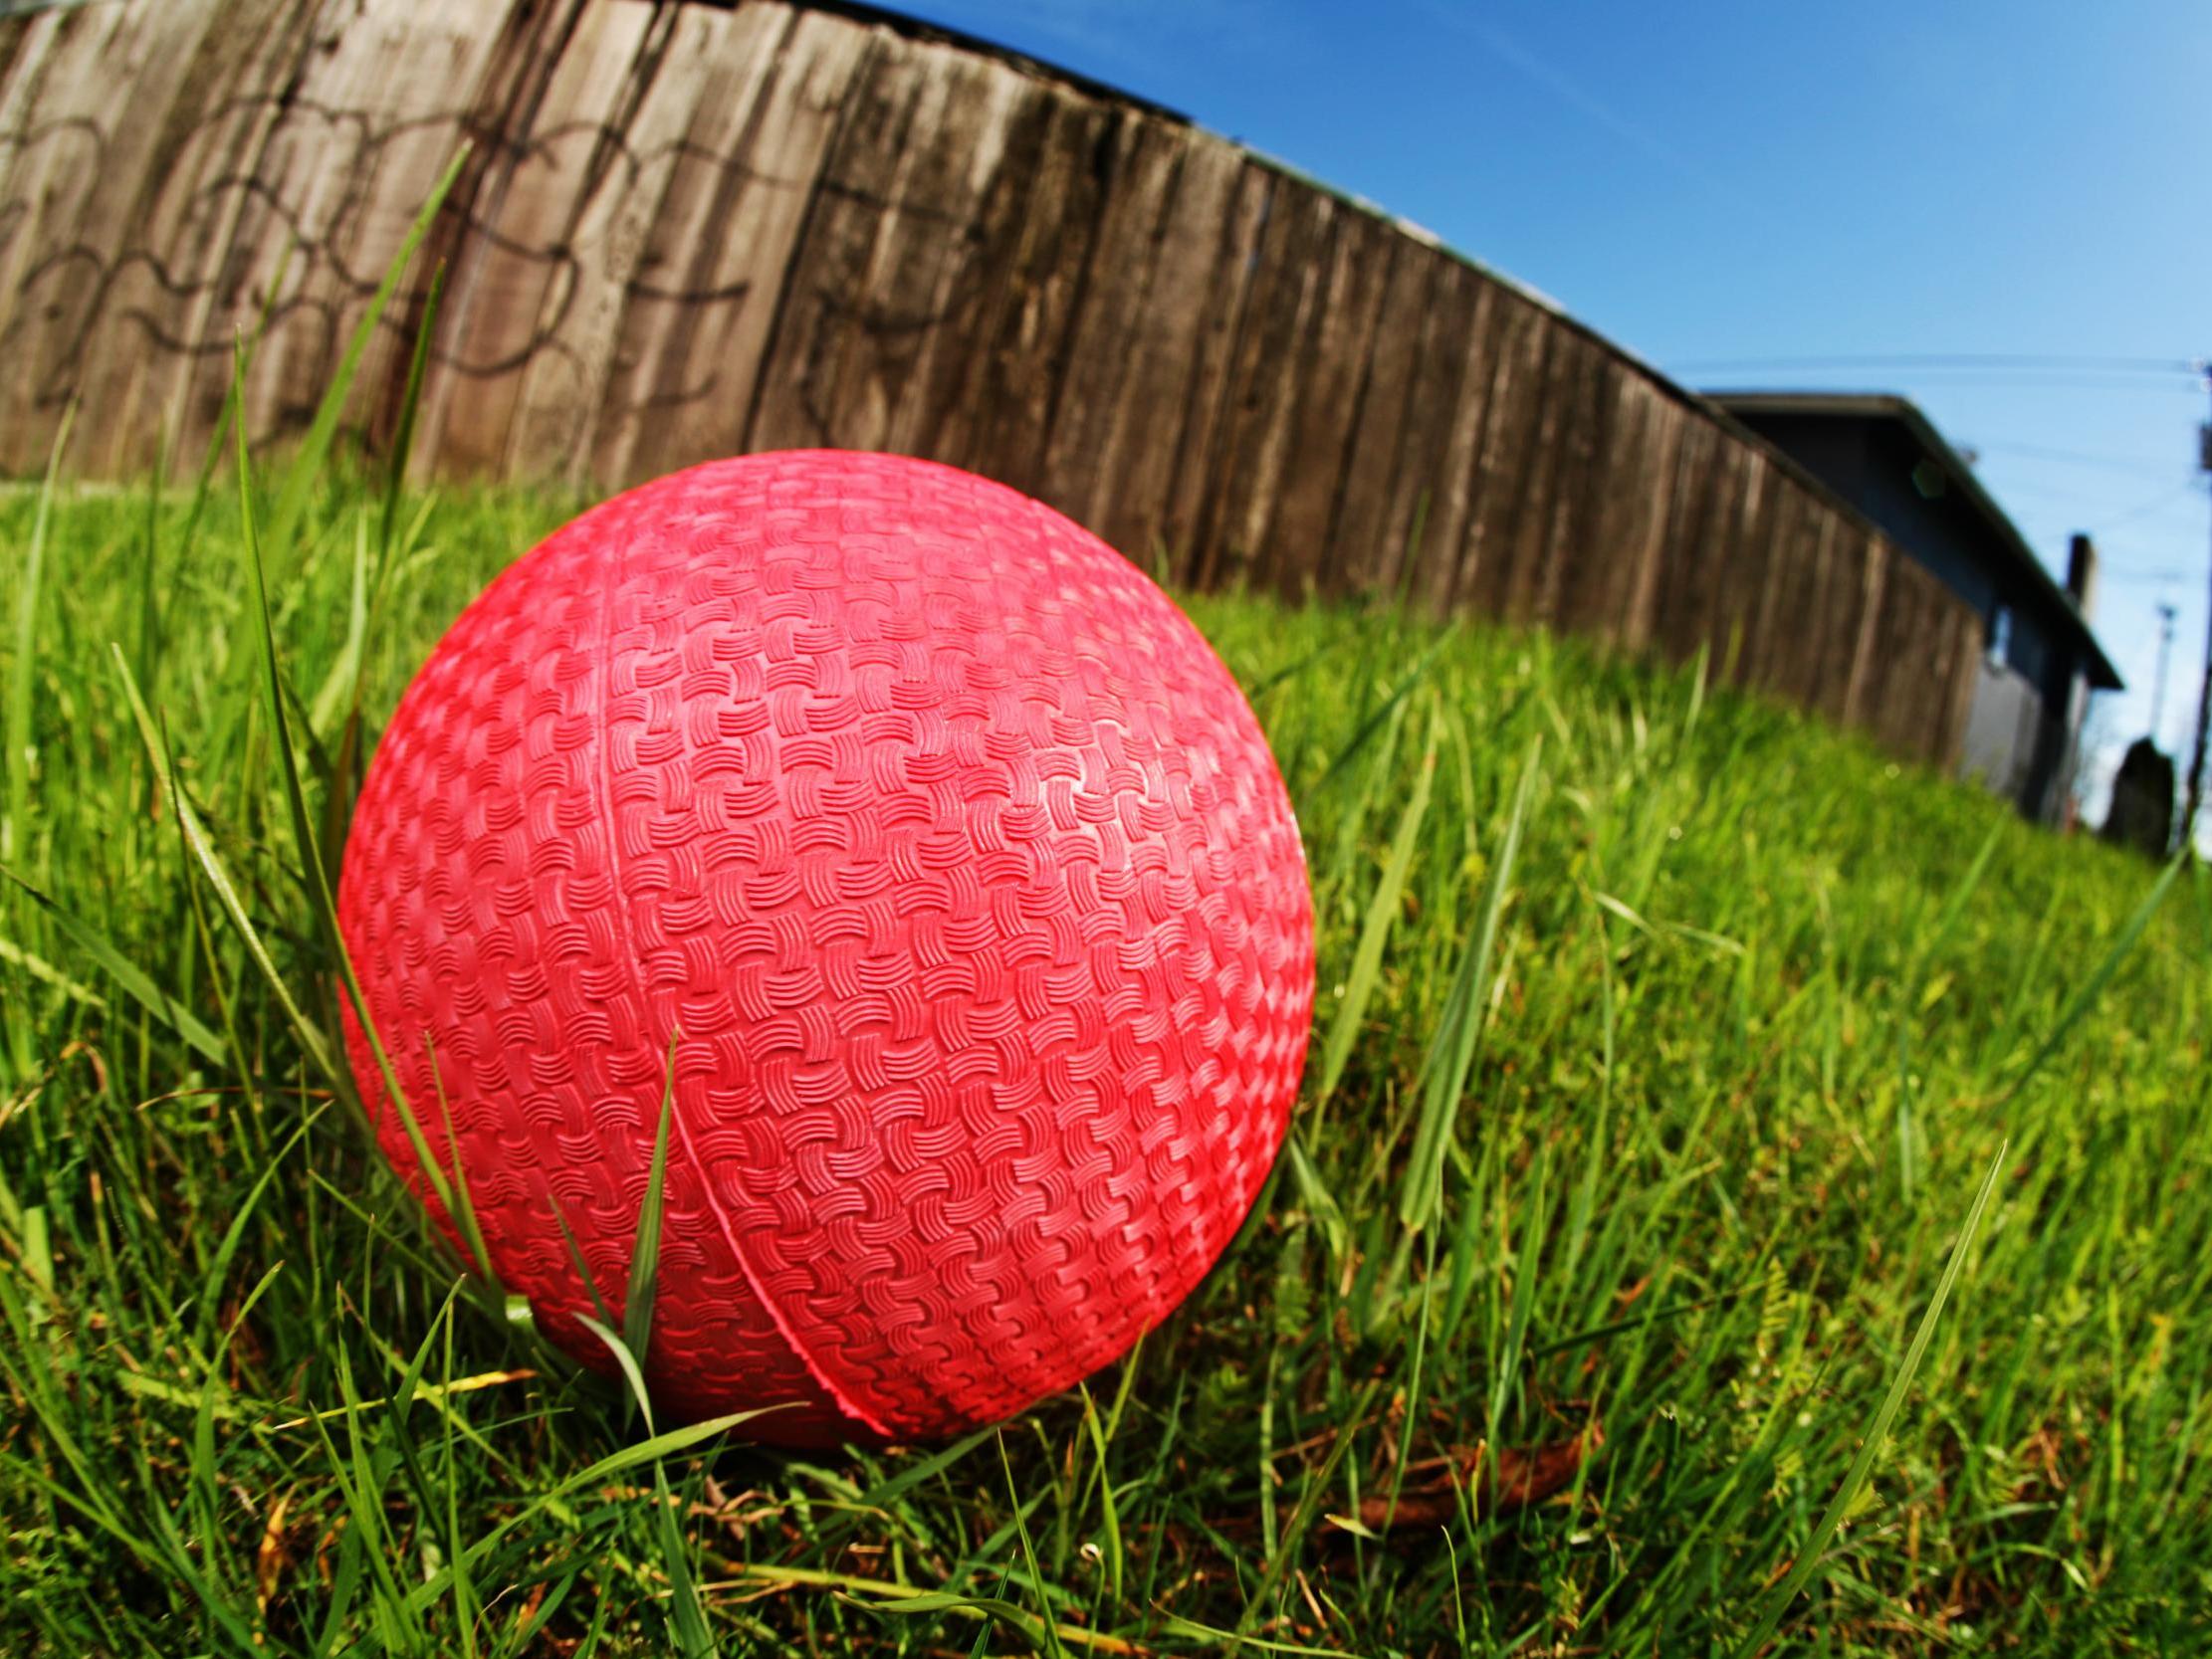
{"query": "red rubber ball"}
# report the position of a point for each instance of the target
(953, 864)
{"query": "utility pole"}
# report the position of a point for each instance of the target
(2166, 615)
(2204, 693)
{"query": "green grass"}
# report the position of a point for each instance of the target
(1668, 1039)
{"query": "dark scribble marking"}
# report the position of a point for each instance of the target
(328, 273)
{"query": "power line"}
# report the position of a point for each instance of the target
(2078, 458)
(1953, 379)
(1952, 359)
(2165, 577)
(2105, 526)
(2157, 504)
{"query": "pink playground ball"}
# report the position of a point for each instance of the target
(953, 864)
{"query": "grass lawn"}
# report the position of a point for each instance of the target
(1571, 1357)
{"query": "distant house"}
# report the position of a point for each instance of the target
(1882, 455)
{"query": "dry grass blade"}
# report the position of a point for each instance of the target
(1514, 1478)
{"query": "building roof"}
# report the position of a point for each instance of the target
(2019, 566)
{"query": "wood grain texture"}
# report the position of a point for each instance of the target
(1128, 285)
(1264, 378)
(689, 230)
(1413, 533)
(1352, 349)
(1363, 542)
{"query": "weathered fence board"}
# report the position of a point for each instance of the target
(687, 230)
(1122, 290)
(1265, 376)
(666, 373)
(1498, 491)
(1446, 537)
(1366, 475)
(530, 274)
(1325, 465)
(1009, 410)
(1565, 573)
(1181, 436)
(1409, 537)
(1638, 498)
(563, 385)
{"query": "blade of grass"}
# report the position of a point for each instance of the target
(464, 1205)
(135, 982)
(202, 847)
(693, 1640)
(576, 1260)
(314, 872)
(2087, 992)
(1459, 1034)
(627, 1362)
(637, 1456)
(1385, 708)
(1109, 1514)
(314, 448)
(646, 1254)
(1030, 1556)
(1382, 913)
(1175, 1624)
(14, 828)
(410, 405)
(1301, 1520)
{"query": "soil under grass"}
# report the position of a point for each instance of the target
(1570, 1358)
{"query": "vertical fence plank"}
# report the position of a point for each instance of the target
(1645, 531)
(682, 298)
(1262, 384)
(1023, 358)
(1901, 645)
(694, 344)
(1448, 538)
(917, 318)
(924, 364)
(1860, 679)
(76, 174)
(1411, 530)
(1629, 494)
(1164, 424)
(564, 382)
(1706, 466)
(1498, 486)
(154, 301)
(1357, 541)
(1747, 561)
(1795, 615)
(1965, 649)
(1121, 292)
(384, 95)
(1354, 305)
(1570, 559)
(531, 276)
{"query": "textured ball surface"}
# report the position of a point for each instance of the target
(959, 863)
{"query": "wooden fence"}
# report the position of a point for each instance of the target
(690, 230)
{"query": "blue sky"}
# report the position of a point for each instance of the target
(1722, 185)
